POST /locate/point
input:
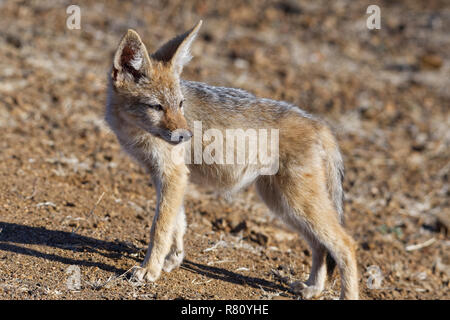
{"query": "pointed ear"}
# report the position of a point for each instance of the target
(176, 52)
(131, 61)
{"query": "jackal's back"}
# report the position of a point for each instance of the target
(235, 108)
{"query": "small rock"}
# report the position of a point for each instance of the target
(241, 226)
(430, 61)
(258, 237)
(367, 245)
(14, 41)
(289, 7)
(206, 221)
(281, 298)
(219, 224)
(443, 221)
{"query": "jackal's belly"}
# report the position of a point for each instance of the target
(223, 177)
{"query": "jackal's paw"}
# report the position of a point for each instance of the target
(307, 291)
(145, 274)
(173, 260)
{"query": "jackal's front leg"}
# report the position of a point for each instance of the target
(171, 186)
(176, 253)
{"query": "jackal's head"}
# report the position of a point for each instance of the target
(145, 89)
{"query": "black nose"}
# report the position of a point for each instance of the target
(182, 136)
(185, 136)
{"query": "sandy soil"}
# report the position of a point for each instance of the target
(70, 198)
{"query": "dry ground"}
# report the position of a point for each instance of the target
(386, 92)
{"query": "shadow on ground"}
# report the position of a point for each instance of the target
(12, 235)
(232, 277)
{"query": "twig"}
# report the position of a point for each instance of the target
(420, 245)
(33, 193)
(96, 204)
(91, 213)
(216, 245)
(112, 278)
(219, 262)
(46, 204)
(242, 269)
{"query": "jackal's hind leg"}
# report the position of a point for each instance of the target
(303, 203)
(315, 284)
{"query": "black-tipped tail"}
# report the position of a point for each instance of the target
(331, 265)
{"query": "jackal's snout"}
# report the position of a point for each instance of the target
(176, 127)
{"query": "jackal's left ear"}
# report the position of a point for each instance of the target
(131, 61)
(177, 51)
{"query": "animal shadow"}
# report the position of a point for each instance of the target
(13, 235)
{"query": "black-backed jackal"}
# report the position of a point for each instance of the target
(152, 112)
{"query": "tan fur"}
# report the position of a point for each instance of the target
(143, 109)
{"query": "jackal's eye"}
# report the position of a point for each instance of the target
(181, 104)
(156, 107)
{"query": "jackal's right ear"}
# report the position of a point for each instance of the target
(176, 51)
(131, 61)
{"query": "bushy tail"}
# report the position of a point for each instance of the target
(335, 177)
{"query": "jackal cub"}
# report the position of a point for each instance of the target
(153, 112)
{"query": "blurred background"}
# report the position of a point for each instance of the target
(69, 196)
